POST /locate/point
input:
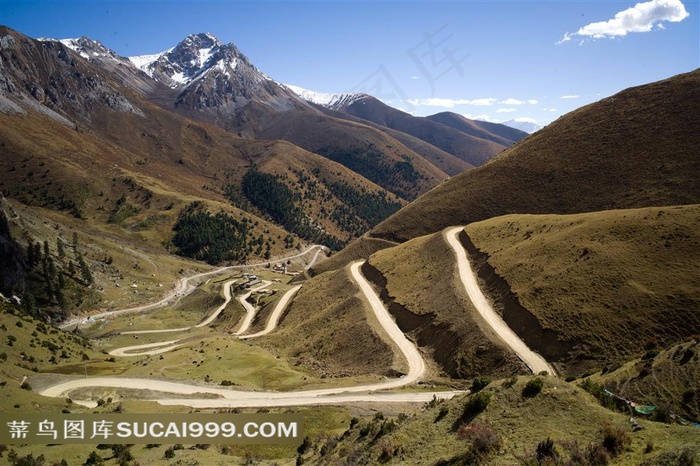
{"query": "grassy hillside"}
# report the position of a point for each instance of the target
(609, 284)
(637, 148)
(329, 328)
(502, 426)
(496, 132)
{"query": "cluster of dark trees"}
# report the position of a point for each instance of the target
(274, 198)
(211, 238)
(51, 275)
(370, 207)
(397, 177)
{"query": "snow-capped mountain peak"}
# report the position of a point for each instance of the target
(333, 101)
(188, 60)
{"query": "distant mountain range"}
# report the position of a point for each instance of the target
(82, 84)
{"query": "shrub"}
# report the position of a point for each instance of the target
(598, 455)
(479, 384)
(483, 438)
(305, 445)
(389, 450)
(169, 453)
(386, 428)
(511, 382)
(546, 449)
(615, 439)
(443, 412)
(93, 459)
(533, 387)
(475, 405)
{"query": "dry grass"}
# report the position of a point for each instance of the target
(609, 282)
(635, 149)
(561, 412)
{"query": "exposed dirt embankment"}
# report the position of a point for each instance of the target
(424, 328)
(427, 308)
(519, 319)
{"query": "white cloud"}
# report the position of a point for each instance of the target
(449, 103)
(639, 18)
(415, 77)
(512, 101)
(525, 120)
(549, 109)
(573, 96)
(483, 102)
(506, 110)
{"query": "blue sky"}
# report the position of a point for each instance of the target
(495, 60)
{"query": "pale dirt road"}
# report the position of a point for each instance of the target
(249, 308)
(183, 288)
(416, 365)
(534, 361)
(276, 314)
(233, 398)
(217, 311)
(128, 350)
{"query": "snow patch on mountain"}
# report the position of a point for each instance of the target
(526, 124)
(333, 101)
(87, 48)
(142, 62)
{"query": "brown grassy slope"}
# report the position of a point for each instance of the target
(562, 412)
(608, 283)
(328, 327)
(320, 134)
(419, 284)
(638, 148)
(474, 148)
(496, 132)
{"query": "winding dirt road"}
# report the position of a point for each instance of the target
(233, 398)
(276, 314)
(534, 361)
(416, 364)
(249, 308)
(183, 288)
